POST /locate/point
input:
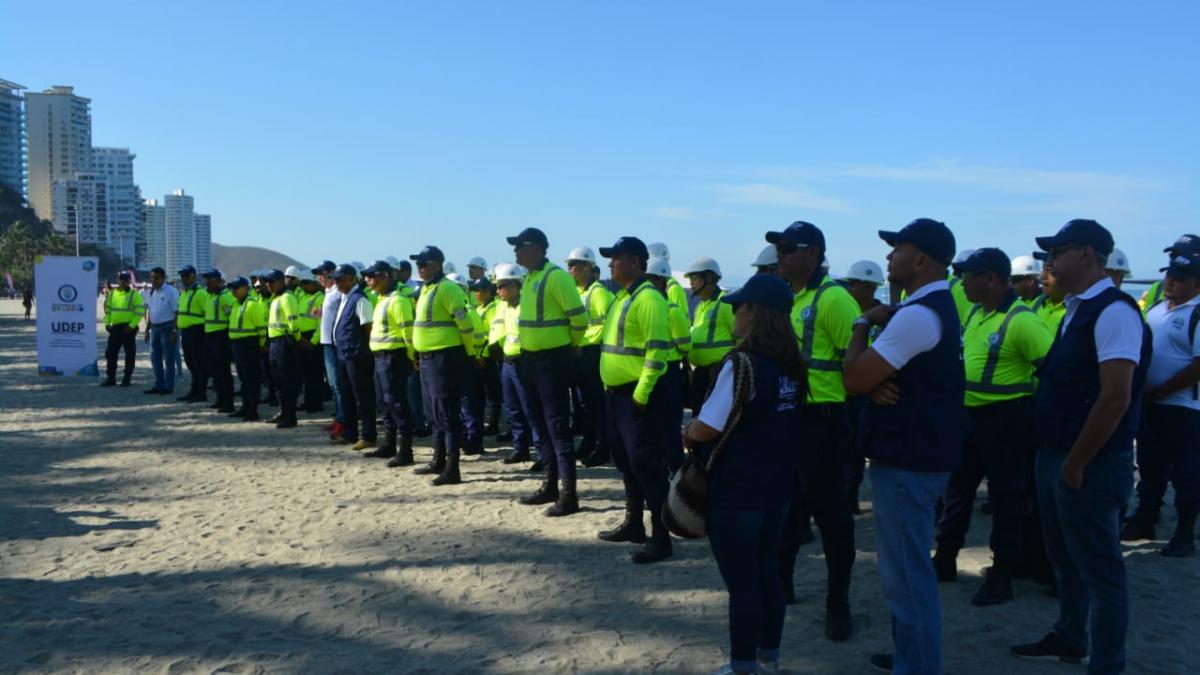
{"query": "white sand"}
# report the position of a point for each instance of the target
(144, 535)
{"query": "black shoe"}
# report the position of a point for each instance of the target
(1179, 548)
(226, 409)
(153, 390)
(547, 493)
(215, 405)
(1140, 526)
(399, 461)
(996, 589)
(505, 437)
(538, 466)
(435, 466)
(657, 547)
(882, 662)
(124, 383)
(517, 457)
(108, 383)
(630, 530)
(286, 423)
(946, 566)
(381, 453)
(186, 398)
(474, 448)
(838, 624)
(447, 477)
(598, 458)
(567, 503)
(1051, 647)
(240, 412)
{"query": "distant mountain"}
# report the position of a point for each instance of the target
(239, 260)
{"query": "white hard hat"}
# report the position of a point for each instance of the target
(581, 253)
(659, 267)
(448, 268)
(477, 262)
(1118, 262)
(358, 266)
(292, 271)
(865, 270)
(458, 279)
(1025, 266)
(509, 271)
(963, 255)
(659, 250)
(392, 260)
(704, 265)
(766, 257)
(305, 275)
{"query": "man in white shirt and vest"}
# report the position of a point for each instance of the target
(162, 306)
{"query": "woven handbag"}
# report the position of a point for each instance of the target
(686, 512)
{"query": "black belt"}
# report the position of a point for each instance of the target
(512, 360)
(545, 353)
(624, 389)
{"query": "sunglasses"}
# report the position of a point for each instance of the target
(788, 248)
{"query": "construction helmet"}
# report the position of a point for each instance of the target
(659, 250)
(766, 257)
(659, 267)
(509, 272)
(865, 270)
(1026, 266)
(704, 265)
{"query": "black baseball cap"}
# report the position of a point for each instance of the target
(1041, 256)
(271, 275)
(428, 254)
(1188, 244)
(764, 290)
(378, 267)
(344, 270)
(238, 282)
(931, 236)
(800, 234)
(187, 269)
(212, 273)
(325, 267)
(631, 245)
(482, 284)
(1079, 232)
(404, 265)
(986, 260)
(123, 276)
(530, 235)
(1183, 267)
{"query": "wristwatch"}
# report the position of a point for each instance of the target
(862, 321)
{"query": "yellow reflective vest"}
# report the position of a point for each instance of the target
(281, 321)
(192, 301)
(392, 324)
(681, 333)
(487, 314)
(552, 313)
(637, 340)
(308, 315)
(1001, 351)
(441, 320)
(123, 307)
(677, 294)
(596, 301)
(217, 311)
(823, 317)
(712, 331)
(248, 320)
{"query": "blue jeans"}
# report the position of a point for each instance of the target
(746, 546)
(904, 504)
(331, 376)
(515, 407)
(162, 355)
(1082, 530)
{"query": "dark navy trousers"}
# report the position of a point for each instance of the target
(1168, 449)
(245, 357)
(192, 339)
(592, 408)
(546, 377)
(218, 362)
(281, 356)
(392, 370)
(515, 406)
(357, 382)
(443, 382)
(635, 439)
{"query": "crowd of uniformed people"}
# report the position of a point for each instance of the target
(1035, 373)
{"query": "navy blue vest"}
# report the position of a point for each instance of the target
(757, 466)
(924, 431)
(347, 329)
(1069, 380)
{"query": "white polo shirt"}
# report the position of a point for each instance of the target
(329, 311)
(162, 304)
(1118, 328)
(1173, 351)
(912, 331)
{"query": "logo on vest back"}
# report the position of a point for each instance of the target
(994, 339)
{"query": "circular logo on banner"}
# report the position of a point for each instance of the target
(67, 293)
(88, 265)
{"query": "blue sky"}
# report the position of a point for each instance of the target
(360, 129)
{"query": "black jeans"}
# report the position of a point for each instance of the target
(546, 377)
(193, 356)
(357, 381)
(120, 336)
(218, 361)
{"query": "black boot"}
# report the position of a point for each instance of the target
(598, 458)
(435, 465)
(109, 382)
(404, 457)
(1139, 526)
(125, 380)
(1183, 543)
(997, 586)
(631, 529)
(251, 413)
(288, 421)
(787, 576)
(838, 562)
(538, 466)
(547, 492)
(658, 547)
(567, 503)
(945, 563)
(517, 456)
(386, 448)
(240, 412)
(449, 475)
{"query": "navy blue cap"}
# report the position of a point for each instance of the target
(124, 276)
(482, 284)
(631, 245)
(345, 270)
(799, 233)
(986, 260)
(237, 282)
(1183, 267)
(325, 267)
(428, 254)
(404, 265)
(187, 269)
(271, 275)
(1079, 232)
(212, 273)
(1041, 256)
(1188, 244)
(529, 235)
(378, 267)
(764, 290)
(931, 236)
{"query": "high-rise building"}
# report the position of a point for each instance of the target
(12, 137)
(115, 165)
(58, 128)
(181, 230)
(152, 239)
(81, 208)
(203, 240)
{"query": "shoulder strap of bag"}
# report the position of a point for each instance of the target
(743, 386)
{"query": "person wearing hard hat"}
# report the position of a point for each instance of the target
(392, 348)
(310, 301)
(675, 291)
(593, 446)
(766, 262)
(444, 338)
(505, 333)
(192, 301)
(960, 297)
(553, 321)
(247, 338)
(123, 311)
(913, 431)
(1050, 306)
(823, 314)
(356, 367)
(217, 353)
(1168, 447)
(862, 281)
(282, 333)
(633, 359)
(487, 361)
(712, 328)
(1117, 267)
(1087, 408)
(1186, 245)
(1003, 344)
(658, 271)
(1026, 279)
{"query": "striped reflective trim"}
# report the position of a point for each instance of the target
(655, 365)
(681, 342)
(625, 314)
(460, 314)
(545, 323)
(995, 344)
(466, 331)
(825, 365)
(658, 344)
(713, 345)
(623, 351)
(434, 324)
(385, 340)
(595, 322)
(576, 311)
(809, 331)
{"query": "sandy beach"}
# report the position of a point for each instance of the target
(138, 534)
